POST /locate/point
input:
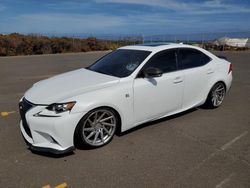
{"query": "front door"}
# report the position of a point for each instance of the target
(158, 96)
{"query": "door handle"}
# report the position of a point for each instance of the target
(178, 79)
(210, 71)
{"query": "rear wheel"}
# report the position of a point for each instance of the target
(216, 95)
(97, 127)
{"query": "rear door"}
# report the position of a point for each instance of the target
(197, 72)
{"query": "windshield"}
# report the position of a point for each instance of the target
(120, 63)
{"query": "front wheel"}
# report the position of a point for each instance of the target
(97, 127)
(216, 95)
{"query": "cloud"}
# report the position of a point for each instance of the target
(54, 23)
(69, 24)
(66, 5)
(2, 7)
(156, 3)
(183, 17)
(203, 7)
(62, 23)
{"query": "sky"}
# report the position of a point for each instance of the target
(147, 17)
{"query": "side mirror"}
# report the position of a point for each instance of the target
(152, 72)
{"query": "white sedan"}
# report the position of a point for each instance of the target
(129, 86)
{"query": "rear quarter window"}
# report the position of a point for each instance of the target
(191, 58)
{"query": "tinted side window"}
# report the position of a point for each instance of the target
(191, 58)
(165, 61)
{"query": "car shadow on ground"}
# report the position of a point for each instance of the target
(144, 125)
(150, 123)
(119, 134)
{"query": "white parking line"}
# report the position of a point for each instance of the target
(224, 181)
(227, 145)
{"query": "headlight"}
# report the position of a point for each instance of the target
(61, 107)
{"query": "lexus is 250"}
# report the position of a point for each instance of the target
(127, 87)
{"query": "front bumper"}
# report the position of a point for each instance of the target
(49, 134)
(44, 147)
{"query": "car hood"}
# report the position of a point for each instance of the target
(63, 86)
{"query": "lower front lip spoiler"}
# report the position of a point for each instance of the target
(49, 150)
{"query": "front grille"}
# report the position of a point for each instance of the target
(24, 107)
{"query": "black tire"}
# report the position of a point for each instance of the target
(214, 95)
(105, 133)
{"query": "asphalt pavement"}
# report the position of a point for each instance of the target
(198, 148)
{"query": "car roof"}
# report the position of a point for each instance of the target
(155, 47)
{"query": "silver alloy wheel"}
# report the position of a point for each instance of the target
(218, 94)
(99, 127)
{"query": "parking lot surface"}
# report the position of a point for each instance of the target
(198, 148)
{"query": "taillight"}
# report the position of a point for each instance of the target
(230, 68)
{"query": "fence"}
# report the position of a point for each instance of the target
(195, 37)
(207, 40)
